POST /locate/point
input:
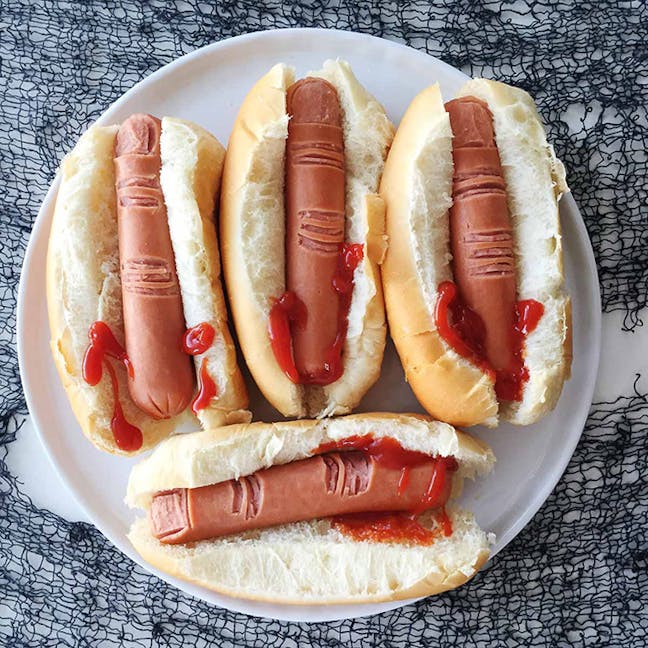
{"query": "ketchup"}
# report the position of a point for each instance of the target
(461, 327)
(463, 330)
(403, 482)
(384, 527)
(510, 383)
(206, 389)
(395, 527)
(289, 311)
(128, 437)
(198, 339)
(384, 450)
(103, 344)
(288, 308)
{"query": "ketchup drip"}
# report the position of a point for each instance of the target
(392, 527)
(460, 326)
(399, 526)
(384, 527)
(206, 389)
(103, 344)
(289, 311)
(128, 437)
(288, 308)
(198, 339)
(463, 330)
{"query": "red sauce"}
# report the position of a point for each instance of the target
(128, 437)
(510, 383)
(206, 389)
(103, 344)
(385, 451)
(288, 308)
(384, 527)
(435, 487)
(198, 339)
(443, 520)
(460, 326)
(464, 330)
(396, 527)
(289, 311)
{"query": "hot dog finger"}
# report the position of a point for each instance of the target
(480, 228)
(332, 484)
(162, 380)
(314, 219)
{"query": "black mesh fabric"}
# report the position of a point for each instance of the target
(577, 575)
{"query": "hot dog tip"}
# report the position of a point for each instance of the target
(359, 485)
(479, 196)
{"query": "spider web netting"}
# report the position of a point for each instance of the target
(577, 575)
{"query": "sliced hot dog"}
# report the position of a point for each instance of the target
(321, 486)
(315, 212)
(480, 228)
(163, 379)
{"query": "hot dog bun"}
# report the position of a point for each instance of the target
(308, 562)
(83, 279)
(417, 189)
(253, 235)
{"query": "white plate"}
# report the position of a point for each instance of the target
(207, 86)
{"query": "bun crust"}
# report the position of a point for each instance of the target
(253, 235)
(308, 562)
(83, 283)
(417, 189)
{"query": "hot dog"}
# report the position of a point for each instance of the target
(477, 308)
(162, 380)
(349, 509)
(314, 220)
(302, 236)
(480, 227)
(144, 191)
(336, 483)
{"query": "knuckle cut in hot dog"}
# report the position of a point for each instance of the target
(312, 502)
(302, 231)
(477, 308)
(134, 284)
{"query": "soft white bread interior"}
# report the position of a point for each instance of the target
(83, 283)
(309, 562)
(417, 189)
(83, 286)
(253, 235)
(192, 164)
(535, 181)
